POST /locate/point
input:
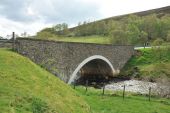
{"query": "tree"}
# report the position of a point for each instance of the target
(158, 42)
(44, 35)
(143, 38)
(165, 22)
(149, 25)
(157, 49)
(133, 34)
(111, 26)
(58, 27)
(119, 37)
(61, 29)
(65, 29)
(99, 27)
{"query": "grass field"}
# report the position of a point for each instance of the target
(25, 87)
(112, 102)
(87, 39)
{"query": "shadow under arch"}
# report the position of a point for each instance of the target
(95, 57)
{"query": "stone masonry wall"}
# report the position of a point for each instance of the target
(62, 58)
(5, 45)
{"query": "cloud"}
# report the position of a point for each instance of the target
(8, 26)
(15, 10)
(109, 8)
(33, 15)
(129, 6)
(49, 10)
(68, 11)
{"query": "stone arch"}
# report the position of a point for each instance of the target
(74, 75)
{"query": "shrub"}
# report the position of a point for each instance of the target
(39, 106)
(158, 42)
(142, 60)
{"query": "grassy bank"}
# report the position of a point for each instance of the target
(112, 102)
(149, 64)
(27, 88)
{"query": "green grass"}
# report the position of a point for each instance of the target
(26, 87)
(87, 39)
(112, 102)
(151, 63)
(150, 56)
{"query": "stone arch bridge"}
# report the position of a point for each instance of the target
(72, 61)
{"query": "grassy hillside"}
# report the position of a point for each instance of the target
(159, 11)
(130, 29)
(149, 64)
(135, 29)
(112, 102)
(27, 88)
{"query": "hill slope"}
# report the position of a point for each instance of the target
(25, 87)
(152, 64)
(159, 11)
(136, 29)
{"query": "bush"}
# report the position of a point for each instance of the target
(39, 106)
(157, 42)
(142, 60)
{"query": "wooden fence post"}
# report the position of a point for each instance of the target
(123, 92)
(86, 85)
(74, 85)
(149, 93)
(13, 41)
(103, 88)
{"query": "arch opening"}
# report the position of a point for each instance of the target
(96, 69)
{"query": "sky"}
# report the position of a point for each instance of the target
(33, 15)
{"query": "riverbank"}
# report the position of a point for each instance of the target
(131, 86)
(140, 87)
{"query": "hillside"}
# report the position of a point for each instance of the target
(151, 64)
(136, 29)
(27, 88)
(159, 11)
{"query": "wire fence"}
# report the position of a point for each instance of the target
(150, 94)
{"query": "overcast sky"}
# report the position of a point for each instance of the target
(33, 15)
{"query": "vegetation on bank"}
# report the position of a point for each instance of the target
(152, 64)
(27, 88)
(112, 102)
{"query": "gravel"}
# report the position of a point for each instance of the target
(135, 86)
